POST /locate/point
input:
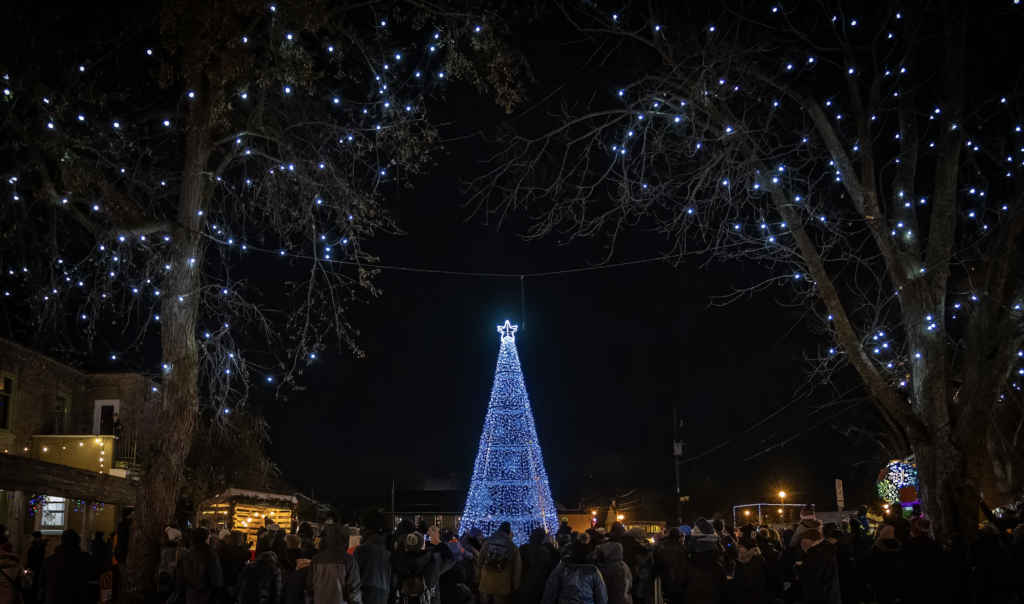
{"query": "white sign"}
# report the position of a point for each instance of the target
(839, 493)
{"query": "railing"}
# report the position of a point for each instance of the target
(127, 450)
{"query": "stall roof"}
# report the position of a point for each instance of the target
(256, 498)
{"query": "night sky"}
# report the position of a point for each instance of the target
(607, 355)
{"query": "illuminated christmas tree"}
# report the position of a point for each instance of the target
(509, 481)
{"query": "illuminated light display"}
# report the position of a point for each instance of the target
(509, 482)
(897, 483)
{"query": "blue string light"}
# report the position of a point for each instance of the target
(509, 482)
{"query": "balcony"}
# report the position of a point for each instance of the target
(106, 454)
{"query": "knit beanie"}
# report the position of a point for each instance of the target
(200, 535)
(763, 533)
(807, 513)
(292, 541)
(704, 535)
(836, 534)
(224, 534)
(173, 534)
(505, 527)
(413, 542)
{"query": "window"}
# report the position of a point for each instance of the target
(7, 385)
(60, 414)
(53, 514)
(437, 521)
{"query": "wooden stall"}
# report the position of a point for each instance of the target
(248, 511)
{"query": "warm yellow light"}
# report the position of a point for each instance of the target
(44, 449)
(782, 493)
(593, 513)
(780, 511)
(97, 440)
(80, 444)
(747, 512)
(621, 517)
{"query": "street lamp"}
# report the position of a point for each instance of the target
(782, 496)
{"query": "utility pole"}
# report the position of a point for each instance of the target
(677, 446)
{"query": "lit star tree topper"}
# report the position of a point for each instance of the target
(509, 482)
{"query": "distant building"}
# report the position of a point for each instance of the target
(75, 425)
(442, 509)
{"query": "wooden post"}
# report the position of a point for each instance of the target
(15, 520)
(88, 525)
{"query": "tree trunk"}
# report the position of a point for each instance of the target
(164, 462)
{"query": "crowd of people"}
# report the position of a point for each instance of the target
(855, 561)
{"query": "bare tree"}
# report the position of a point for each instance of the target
(862, 152)
(167, 167)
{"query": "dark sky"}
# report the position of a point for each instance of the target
(607, 355)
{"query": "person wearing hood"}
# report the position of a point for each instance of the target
(994, 576)
(171, 551)
(234, 554)
(618, 579)
(70, 575)
(15, 578)
(333, 573)
(308, 546)
(498, 567)
(703, 578)
(818, 577)
(885, 566)
(537, 564)
(260, 582)
(199, 572)
(374, 562)
(416, 571)
(807, 521)
(750, 581)
(294, 586)
(575, 580)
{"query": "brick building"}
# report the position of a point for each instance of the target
(67, 421)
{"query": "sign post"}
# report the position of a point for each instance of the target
(839, 498)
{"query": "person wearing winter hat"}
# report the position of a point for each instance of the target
(817, 573)
(704, 579)
(171, 551)
(807, 521)
(498, 567)
(703, 537)
(750, 579)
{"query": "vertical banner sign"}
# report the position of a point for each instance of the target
(839, 495)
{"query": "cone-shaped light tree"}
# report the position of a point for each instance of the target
(509, 481)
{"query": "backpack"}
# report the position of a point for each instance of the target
(413, 588)
(496, 556)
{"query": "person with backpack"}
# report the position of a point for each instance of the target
(498, 568)
(416, 570)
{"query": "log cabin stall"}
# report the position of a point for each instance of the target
(248, 511)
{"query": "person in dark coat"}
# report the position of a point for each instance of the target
(994, 576)
(100, 548)
(124, 536)
(616, 574)
(884, 565)
(668, 564)
(643, 589)
(199, 572)
(260, 582)
(575, 580)
(704, 579)
(819, 579)
(233, 555)
(70, 576)
(374, 570)
(537, 564)
(279, 545)
(750, 582)
(844, 567)
(922, 565)
(1006, 522)
(333, 573)
(294, 589)
(308, 546)
(770, 554)
(36, 553)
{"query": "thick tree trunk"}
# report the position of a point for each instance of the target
(164, 462)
